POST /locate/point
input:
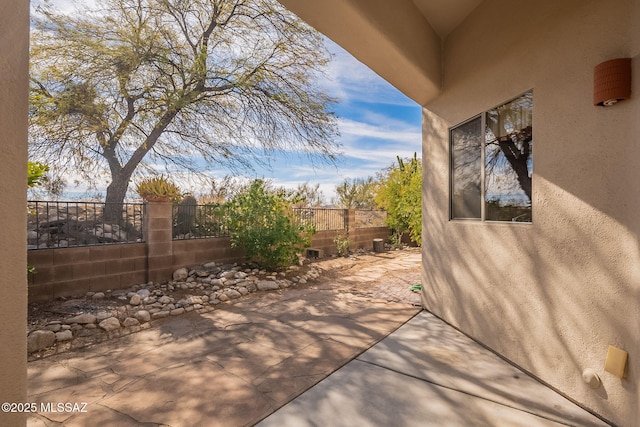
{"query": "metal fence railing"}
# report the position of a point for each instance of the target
(69, 224)
(371, 218)
(322, 219)
(199, 221)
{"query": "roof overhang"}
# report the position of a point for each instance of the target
(394, 39)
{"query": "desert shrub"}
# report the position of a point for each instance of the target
(400, 194)
(342, 243)
(260, 220)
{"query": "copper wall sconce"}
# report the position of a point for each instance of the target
(612, 82)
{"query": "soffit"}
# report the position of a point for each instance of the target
(402, 43)
(445, 15)
(395, 42)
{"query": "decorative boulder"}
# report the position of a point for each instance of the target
(110, 324)
(180, 274)
(39, 340)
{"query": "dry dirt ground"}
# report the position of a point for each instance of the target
(383, 276)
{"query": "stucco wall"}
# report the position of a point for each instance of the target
(14, 57)
(551, 295)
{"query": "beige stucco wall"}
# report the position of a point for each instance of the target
(14, 35)
(550, 296)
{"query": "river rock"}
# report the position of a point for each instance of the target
(64, 336)
(233, 294)
(180, 274)
(194, 300)
(142, 316)
(81, 319)
(102, 315)
(110, 324)
(130, 321)
(267, 285)
(39, 340)
(160, 314)
(53, 328)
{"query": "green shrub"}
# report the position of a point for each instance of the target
(342, 242)
(261, 222)
(400, 194)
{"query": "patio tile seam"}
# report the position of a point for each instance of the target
(464, 392)
(252, 384)
(140, 423)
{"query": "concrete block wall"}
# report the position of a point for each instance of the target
(75, 271)
(362, 238)
(66, 272)
(323, 240)
(188, 253)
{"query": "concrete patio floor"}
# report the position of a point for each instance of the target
(329, 354)
(234, 365)
(428, 374)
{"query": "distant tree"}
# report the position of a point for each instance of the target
(357, 193)
(308, 196)
(222, 190)
(400, 194)
(136, 82)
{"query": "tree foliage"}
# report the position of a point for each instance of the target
(357, 193)
(35, 175)
(309, 196)
(35, 172)
(222, 190)
(400, 194)
(261, 222)
(139, 82)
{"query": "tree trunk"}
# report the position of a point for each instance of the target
(116, 192)
(518, 162)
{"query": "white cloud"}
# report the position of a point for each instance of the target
(352, 81)
(63, 6)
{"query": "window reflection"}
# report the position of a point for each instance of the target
(466, 150)
(505, 145)
(509, 161)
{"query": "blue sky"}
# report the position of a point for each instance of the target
(376, 122)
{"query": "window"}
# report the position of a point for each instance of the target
(492, 164)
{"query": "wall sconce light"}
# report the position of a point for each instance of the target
(612, 82)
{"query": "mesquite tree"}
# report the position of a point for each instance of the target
(134, 83)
